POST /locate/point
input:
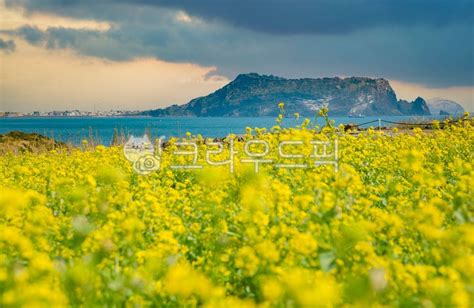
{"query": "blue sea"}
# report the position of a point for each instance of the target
(74, 130)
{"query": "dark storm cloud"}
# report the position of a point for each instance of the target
(324, 16)
(32, 35)
(427, 42)
(7, 46)
(287, 16)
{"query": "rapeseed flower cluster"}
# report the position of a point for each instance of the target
(393, 227)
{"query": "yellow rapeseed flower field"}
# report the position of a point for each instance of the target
(393, 227)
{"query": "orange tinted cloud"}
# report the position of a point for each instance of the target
(33, 78)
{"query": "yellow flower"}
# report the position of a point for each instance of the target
(393, 225)
(247, 261)
(323, 111)
(271, 289)
(304, 243)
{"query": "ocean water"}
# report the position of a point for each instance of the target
(74, 130)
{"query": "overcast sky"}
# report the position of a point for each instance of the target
(67, 54)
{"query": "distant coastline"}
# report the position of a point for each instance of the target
(73, 114)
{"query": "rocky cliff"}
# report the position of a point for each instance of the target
(258, 95)
(444, 107)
